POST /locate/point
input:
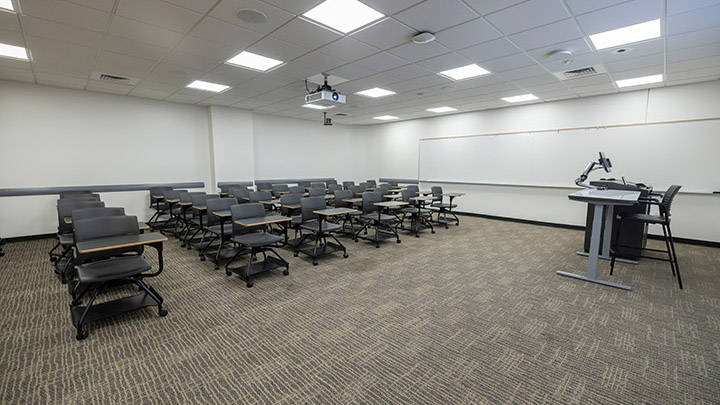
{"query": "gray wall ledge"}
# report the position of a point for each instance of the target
(16, 192)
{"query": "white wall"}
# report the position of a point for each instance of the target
(231, 140)
(59, 137)
(695, 216)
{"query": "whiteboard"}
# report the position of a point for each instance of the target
(686, 153)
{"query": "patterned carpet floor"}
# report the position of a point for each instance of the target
(473, 314)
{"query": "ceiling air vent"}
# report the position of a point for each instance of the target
(105, 77)
(582, 72)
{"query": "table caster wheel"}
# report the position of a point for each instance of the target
(345, 255)
(355, 240)
(249, 285)
(202, 258)
(398, 241)
(377, 246)
(81, 335)
(457, 223)
(163, 312)
(315, 262)
(295, 254)
(228, 273)
(417, 236)
(217, 267)
(189, 247)
(286, 272)
(433, 232)
(182, 246)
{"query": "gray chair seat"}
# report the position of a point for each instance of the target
(374, 217)
(443, 205)
(326, 226)
(112, 269)
(218, 228)
(411, 210)
(650, 219)
(257, 239)
(296, 220)
(66, 239)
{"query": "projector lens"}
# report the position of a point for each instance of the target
(335, 96)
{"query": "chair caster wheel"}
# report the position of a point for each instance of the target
(189, 247)
(417, 236)
(217, 267)
(202, 258)
(433, 232)
(295, 254)
(377, 246)
(81, 335)
(346, 255)
(64, 281)
(315, 262)
(457, 224)
(163, 312)
(228, 273)
(53, 259)
(355, 240)
(398, 241)
(286, 272)
(182, 246)
(249, 285)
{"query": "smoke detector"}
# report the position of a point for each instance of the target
(564, 52)
(251, 16)
(423, 37)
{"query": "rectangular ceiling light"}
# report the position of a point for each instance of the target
(375, 93)
(626, 35)
(464, 72)
(318, 107)
(519, 99)
(386, 118)
(207, 86)
(249, 60)
(13, 52)
(639, 81)
(343, 15)
(441, 109)
(7, 5)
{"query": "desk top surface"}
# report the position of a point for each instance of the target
(268, 219)
(609, 197)
(392, 196)
(335, 211)
(270, 202)
(141, 225)
(353, 200)
(200, 207)
(173, 200)
(223, 213)
(117, 242)
(158, 197)
(292, 206)
(423, 198)
(453, 194)
(390, 203)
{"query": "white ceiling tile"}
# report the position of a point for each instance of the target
(295, 71)
(694, 38)
(47, 51)
(509, 62)
(67, 13)
(102, 5)
(133, 48)
(531, 14)
(188, 98)
(17, 73)
(535, 81)
(9, 21)
(168, 74)
(436, 15)
(184, 59)
(12, 38)
(150, 93)
(139, 31)
(408, 72)
(386, 34)
(691, 80)
(621, 15)
(61, 32)
(229, 75)
(576, 62)
(227, 11)
(159, 13)
(561, 31)
(470, 33)
(489, 50)
(113, 88)
(391, 7)
(206, 49)
(697, 52)
(318, 61)
(223, 33)
(304, 34)
(704, 18)
(577, 47)
(444, 62)
(123, 65)
(60, 81)
(60, 69)
(637, 50)
(377, 80)
(638, 71)
(682, 6)
(692, 74)
(348, 49)
(151, 85)
(277, 49)
(382, 61)
(635, 63)
(521, 73)
(588, 81)
(266, 82)
(413, 52)
(418, 83)
(296, 7)
(485, 7)
(601, 88)
(352, 71)
(200, 6)
(584, 6)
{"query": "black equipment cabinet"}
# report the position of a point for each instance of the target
(633, 233)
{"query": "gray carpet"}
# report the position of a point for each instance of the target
(472, 314)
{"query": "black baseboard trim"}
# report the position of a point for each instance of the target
(687, 241)
(30, 237)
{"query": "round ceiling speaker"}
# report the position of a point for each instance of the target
(252, 16)
(559, 52)
(423, 37)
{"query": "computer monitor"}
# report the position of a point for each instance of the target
(605, 162)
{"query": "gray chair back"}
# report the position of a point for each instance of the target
(314, 192)
(393, 183)
(280, 189)
(317, 185)
(331, 182)
(186, 198)
(305, 184)
(366, 185)
(357, 189)
(257, 196)
(348, 184)
(667, 200)
(371, 182)
(414, 188)
(436, 192)
(240, 194)
(368, 199)
(78, 198)
(289, 199)
(199, 200)
(65, 194)
(157, 191)
(85, 213)
(406, 194)
(297, 190)
(66, 209)
(309, 205)
(103, 227)
(263, 186)
(332, 188)
(341, 195)
(219, 204)
(251, 210)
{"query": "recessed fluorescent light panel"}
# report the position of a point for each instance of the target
(249, 60)
(520, 99)
(207, 86)
(464, 72)
(441, 109)
(318, 107)
(639, 81)
(343, 15)
(375, 93)
(626, 35)
(13, 52)
(7, 5)
(386, 118)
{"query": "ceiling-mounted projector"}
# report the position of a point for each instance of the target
(324, 95)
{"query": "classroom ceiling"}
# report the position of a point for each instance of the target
(166, 44)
